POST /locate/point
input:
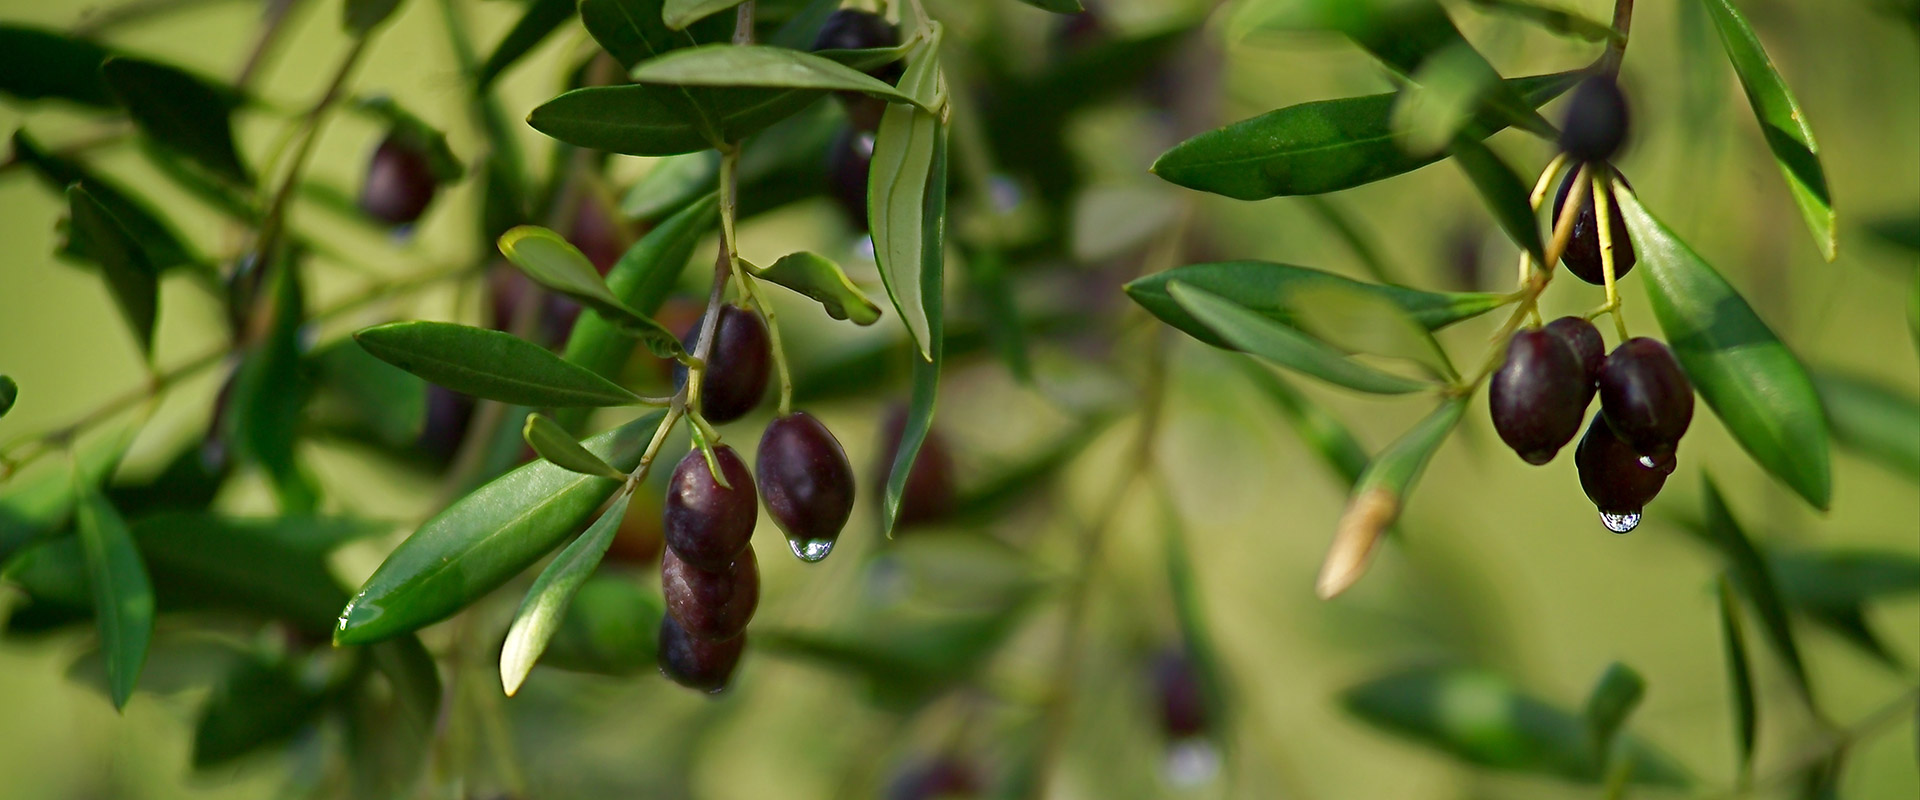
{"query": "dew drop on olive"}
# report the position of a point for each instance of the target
(929, 494)
(806, 482)
(711, 604)
(1615, 478)
(1539, 395)
(738, 364)
(399, 183)
(705, 524)
(1582, 255)
(703, 664)
(1597, 120)
(1646, 397)
(1586, 342)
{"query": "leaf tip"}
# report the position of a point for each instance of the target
(1365, 520)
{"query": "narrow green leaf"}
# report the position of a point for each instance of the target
(270, 392)
(1755, 580)
(1505, 195)
(1322, 432)
(540, 20)
(36, 64)
(1319, 147)
(546, 603)
(1613, 699)
(1483, 719)
(678, 14)
(819, 278)
(1398, 467)
(156, 237)
(9, 393)
(554, 444)
(1873, 420)
(926, 371)
(633, 31)
(641, 279)
(484, 539)
(1781, 121)
(181, 111)
(1411, 36)
(360, 17)
(1057, 6)
(122, 594)
(672, 183)
(1248, 331)
(1750, 380)
(1556, 20)
(490, 364)
(552, 261)
(897, 195)
(417, 134)
(1266, 287)
(992, 293)
(1379, 495)
(608, 629)
(1823, 579)
(130, 275)
(1440, 98)
(761, 66)
(258, 703)
(1356, 320)
(1733, 638)
(356, 392)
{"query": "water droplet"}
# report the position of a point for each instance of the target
(810, 550)
(1647, 461)
(1620, 523)
(1191, 761)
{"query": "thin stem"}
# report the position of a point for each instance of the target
(276, 23)
(1617, 47)
(1603, 223)
(760, 301)
(1528, 295)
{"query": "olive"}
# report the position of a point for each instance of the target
(933, 778)
(598, 234)
(711, 605)
(706, 524)
(738, 363)
(1645, 396)
(849, 29)
(929, 493)
(849, 160)
(805, 479)
(1182, 703)
(1616, 478)
(1586, 342)
(1596, 122)
(704, 664)
(1582, 255)
(400, 183)
(1539, 395)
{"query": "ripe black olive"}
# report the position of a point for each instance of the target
(849, 160)
(1582, 255)
(806, 482)
(849, 29)
(1176, 684)
(1539, 395)
(738, 364)
(929, 493)
(1596, 122)
(711, 605)
(1615, 478)
(399, 185)
(1645, 396)
(705, 524)
(703, 664)
(1586, 342)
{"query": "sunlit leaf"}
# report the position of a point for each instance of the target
(1358, 320)
(1750, 380)
(1873, 420)
(899, 196)
(1265, 288)
(1248, 331)
(931, 263)
(762, 66)
(37, 64)
(554, 444)
(130, 274)
(552, 261)
(181, 111)
(819, 278)
(546, 603)
(122, 595)
(490, 364)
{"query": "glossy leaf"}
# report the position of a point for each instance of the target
(1782, 123)
(9, 393)
(761, 66)
(898, 195)
(1323, 433)
(554, 444)
(1483, 719)
(1749, 379)
(155, 236)
(819, 278)
(360, 17)
(484, 539)
(180, 111)
(1612, 700)
(358, 392)
(130, 275)
(1557, 20)
(681, 13)
(608, 629)
(641, 279)
(258, 703)
(546, 603)
(417, 134)
(122, 595)
(1265, 288)
(1248, 331)
(1746, 712)
(552, 261)
(489, 364)
(1379, 496)
(1873, 420)
(539, 21)
(36, 64)
(1319, 147)
(1753, 578)
(1504, 194)
(931, 263)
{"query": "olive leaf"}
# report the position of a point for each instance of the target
(1379, 496)
(1265, 288)
(539, 21)
(1752, 382)
(9, 393)
(356, 392)
(1253, 333)
(608, 629)
(181, 111)
(763, 66)
(270, 392)
(898, 196)
(1556, 20)
(156, 237)
(545, 605)
(931, 270)
(552, 443)
(1360, 321)
(1503, 192)
(360, 17)
(489, 364)
(484, 539)
(122, 593)
(678, 14)
(129, 272)
(819, 278)
(552, 261)
(40, 502)
(1746, 712)
(260, 701)
(1613, 698)
(1754, 580)
(36, 64)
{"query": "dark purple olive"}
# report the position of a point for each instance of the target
(929, 493)
(1596, 123)
(1539, 395)
(510, 289)
(705, 524)
(1619, 481)
(848, 29)
(1646, 397)
(737, 364)
(1182, 703)
(399, 185)
(597, 234)
(849, 160)
(711, 605)
(806, 482)
(703, 664)
(1586, 342)
(933, 778)
(1582, 255)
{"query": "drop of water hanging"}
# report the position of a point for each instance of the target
(1620, 523)
(810, 550)
(1647, 461)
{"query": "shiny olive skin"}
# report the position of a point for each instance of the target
(805, 478)
(399, 185)
(711, 605)
(703, 664)
(1586, 342)
(849, 160)
(1539, 395)
(1182, 704)
(1646, 397)
(738, 364)
(1597, 120)
(1612, 474)
(929, 494)
(1582, 255)
(705, 524)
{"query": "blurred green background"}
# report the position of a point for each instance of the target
(1502, 565)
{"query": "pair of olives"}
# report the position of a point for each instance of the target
(1541, 392)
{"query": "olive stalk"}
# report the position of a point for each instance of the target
(1603, 220)
(1528, 295)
